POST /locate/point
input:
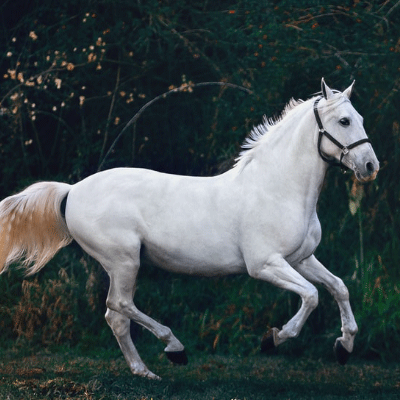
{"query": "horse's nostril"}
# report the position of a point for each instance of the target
(370, 167)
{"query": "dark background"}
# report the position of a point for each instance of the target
(73, 73)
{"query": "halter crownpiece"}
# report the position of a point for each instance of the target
(322, 131)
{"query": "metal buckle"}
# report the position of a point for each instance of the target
(345, 151)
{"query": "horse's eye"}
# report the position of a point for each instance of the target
(344, 122)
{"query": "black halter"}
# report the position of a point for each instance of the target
(322, 131)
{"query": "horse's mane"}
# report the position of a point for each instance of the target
(260, 131)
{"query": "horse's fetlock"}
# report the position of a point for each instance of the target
(287, 332)
(166, 334)
(350, 331)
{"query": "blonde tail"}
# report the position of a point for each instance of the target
(32, 226)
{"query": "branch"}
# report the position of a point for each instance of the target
(183, 88)
(110, 113)
(192, 48)
(392, 9)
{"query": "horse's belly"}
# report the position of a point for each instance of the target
(202, 259)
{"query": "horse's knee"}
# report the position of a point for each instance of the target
(311, 298)
(119, 324)
(120, 305)
(342, 293)
(109, 316)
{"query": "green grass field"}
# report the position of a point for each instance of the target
(69, 375)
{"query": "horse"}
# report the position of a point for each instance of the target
(258, 218)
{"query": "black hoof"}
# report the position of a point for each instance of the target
(177, 357)
(342, 355)
(267, 342)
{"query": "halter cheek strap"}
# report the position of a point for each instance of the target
(323, 132)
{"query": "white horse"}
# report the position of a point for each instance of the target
(258, 218)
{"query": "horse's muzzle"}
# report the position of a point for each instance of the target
(368, 172)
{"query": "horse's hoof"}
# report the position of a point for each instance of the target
(342, 355)
(267, 342)
(152, 376)
(145, 373)
(177, 357)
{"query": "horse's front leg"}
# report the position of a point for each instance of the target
(314, 271)
(278, 272)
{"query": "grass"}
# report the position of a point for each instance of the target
(69, 375)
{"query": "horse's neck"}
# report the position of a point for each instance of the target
(289, 161)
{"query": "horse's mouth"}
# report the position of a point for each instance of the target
(366, 172)
(368, 177)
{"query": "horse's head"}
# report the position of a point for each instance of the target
(342, 138)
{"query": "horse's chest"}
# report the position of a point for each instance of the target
(292, 235)
(306, 243)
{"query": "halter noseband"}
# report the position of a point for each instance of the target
(322, 131)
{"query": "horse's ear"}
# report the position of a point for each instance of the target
(348, 91)
(326, 90)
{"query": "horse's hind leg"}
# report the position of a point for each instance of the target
(120, 326)
(120, 300)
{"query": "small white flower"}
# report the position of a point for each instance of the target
(33, 35)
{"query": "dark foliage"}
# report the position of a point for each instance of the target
(75, 72)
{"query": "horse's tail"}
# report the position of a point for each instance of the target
(32, 226)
